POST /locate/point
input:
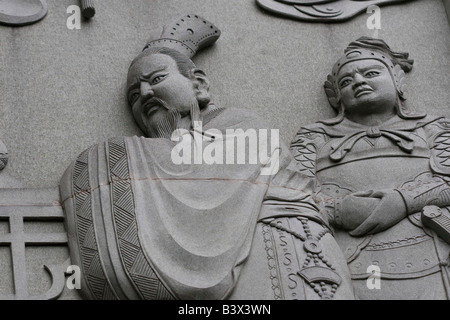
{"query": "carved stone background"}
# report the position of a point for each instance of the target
(63, 90)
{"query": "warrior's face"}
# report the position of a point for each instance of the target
(366, 87)
(157, 90)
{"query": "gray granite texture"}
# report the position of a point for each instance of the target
(447, 7)
(63, 90)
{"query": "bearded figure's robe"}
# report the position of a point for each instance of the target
(142, 227)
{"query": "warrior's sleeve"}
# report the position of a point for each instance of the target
(304, 148)
(295, 228)
(290, 192)
(433, 187)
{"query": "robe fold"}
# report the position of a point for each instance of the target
(143, 227)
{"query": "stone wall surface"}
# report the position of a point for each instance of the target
(63, 90)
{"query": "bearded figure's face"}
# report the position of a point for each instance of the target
(159, 94)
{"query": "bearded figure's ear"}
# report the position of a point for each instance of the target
(201, 87)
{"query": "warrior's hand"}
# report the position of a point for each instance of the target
(352, 210)
(390, 210)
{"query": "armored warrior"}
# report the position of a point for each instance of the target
(144, 226)
(382, 174)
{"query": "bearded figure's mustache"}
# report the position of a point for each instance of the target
(172, 120)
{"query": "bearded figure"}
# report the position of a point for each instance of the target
(178, 214)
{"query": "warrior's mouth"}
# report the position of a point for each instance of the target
(362, 91)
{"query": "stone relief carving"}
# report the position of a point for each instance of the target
(18, 207)
(145, 227)
(3, 156)
(6, 180)
(87, 8)
(321, 10)
(382, 174)
(447, 8)
(22, 12)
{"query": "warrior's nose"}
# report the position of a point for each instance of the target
(358, 80)
(146, 90)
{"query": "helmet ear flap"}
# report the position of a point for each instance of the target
(399, 79)
(333, 94)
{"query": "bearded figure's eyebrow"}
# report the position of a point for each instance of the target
(146, 76)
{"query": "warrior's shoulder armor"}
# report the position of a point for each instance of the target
(305, 146)
(439, 142)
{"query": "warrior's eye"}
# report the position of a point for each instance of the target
(344, 83)
(372, 74)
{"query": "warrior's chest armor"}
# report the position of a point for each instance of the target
(373, 162)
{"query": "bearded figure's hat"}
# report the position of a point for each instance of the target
(187, 35)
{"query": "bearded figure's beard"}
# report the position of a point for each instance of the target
(173, 120)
